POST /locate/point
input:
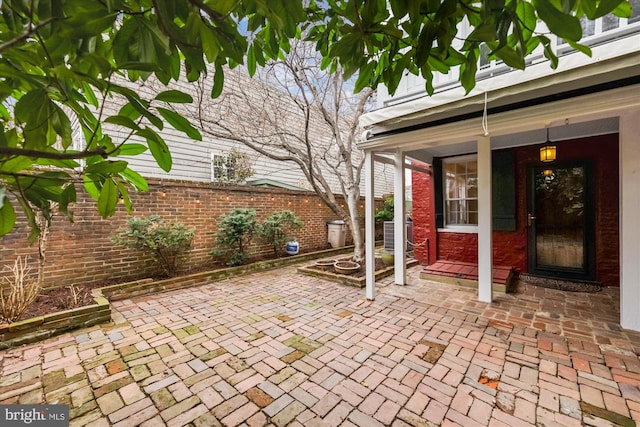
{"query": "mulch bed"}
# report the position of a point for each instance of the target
(59, 299)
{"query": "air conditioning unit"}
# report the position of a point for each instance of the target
(389, 236)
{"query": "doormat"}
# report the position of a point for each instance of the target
(561, 285)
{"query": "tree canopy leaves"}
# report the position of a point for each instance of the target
(62, 61)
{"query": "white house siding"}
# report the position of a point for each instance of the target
(191, 159)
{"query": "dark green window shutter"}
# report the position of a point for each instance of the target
(503, 188)
(438, 191)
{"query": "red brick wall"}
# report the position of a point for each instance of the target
(82, 252)
(423, 215)
(510, 248)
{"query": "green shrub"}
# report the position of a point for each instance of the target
(386, 213)
(165, 243)
(235, 232)
(276, 229)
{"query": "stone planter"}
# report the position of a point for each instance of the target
(346, 267)
(325, 264)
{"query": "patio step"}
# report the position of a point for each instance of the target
(466, 274)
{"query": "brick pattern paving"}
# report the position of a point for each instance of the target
(284, 349)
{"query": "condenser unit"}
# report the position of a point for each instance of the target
(389, 236)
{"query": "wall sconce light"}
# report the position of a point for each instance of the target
(548, 152)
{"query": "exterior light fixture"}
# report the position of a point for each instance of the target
(548, 152)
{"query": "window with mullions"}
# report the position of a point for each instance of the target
(461, 191)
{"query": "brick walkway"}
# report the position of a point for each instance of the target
(288, 349)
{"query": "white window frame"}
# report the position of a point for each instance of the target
(457, 228)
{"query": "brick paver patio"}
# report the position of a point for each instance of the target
(280, 348)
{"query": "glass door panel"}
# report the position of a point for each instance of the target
(559, 222)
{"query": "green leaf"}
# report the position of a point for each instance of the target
(156, 121)
(135, 179)
(108, 199)
(549, 53)
(138, 104)
(122, 121)
(566, 26)
(580, 47)
(364, 78)
(124, 194)
(425, 42)
(106, 168)
(158, 148)
(67, 197)
(623, 10)
(16, 164)
(128, 111)
(607, 6)
(138, 66)
(174, 96)
(468, 71)
(89, 94)
(527, 16)
(511, 57)
(589, 9)
(218, 82)
(210, 44)
(251, 61)
(484, 33)
(91, 187)
(7, 217)
(180, 123)
(131, 149)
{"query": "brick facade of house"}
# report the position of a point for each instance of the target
(510, 248)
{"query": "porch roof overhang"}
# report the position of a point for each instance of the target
(515, 102)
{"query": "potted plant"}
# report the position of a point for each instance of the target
(388, 258)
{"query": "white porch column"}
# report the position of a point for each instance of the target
(369, 227)
(485, 239)
(630, 220)
(399, 219)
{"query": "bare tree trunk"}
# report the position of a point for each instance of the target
(354, 226)
(44, 224)
(295, 112)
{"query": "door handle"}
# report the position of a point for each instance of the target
(530, 219)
